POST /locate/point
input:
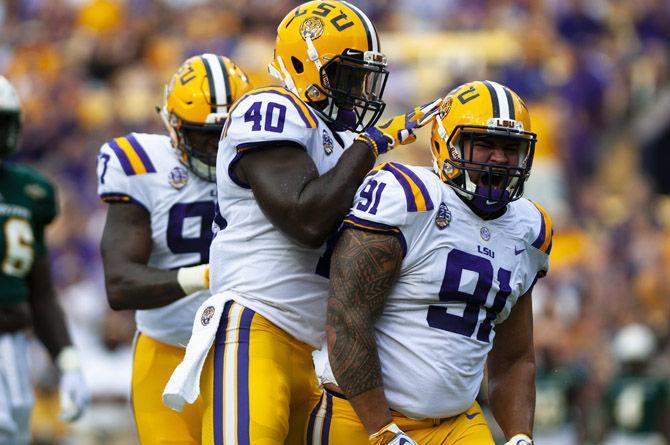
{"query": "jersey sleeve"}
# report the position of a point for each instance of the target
(267, 116)
(543, 234)
(388, 201)
(121, 164)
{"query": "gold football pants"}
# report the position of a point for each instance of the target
(153, 363)
(334, 422)
(258, 383)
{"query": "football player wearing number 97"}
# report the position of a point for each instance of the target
(155, 244)
(430, 268)
(289, 163)
(27, 206)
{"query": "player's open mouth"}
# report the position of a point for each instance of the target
(492, 180)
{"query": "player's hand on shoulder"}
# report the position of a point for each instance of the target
(390, 435)
(520, 439)
(73, 392)
(399, 130)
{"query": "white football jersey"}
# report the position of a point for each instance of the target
(144, 169)
(256, 264)
(460, 276)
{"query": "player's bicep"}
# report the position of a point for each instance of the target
(126, 237)
(363, 269)
(277, 175)
(514, 336)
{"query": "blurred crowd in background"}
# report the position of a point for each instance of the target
(595, 75)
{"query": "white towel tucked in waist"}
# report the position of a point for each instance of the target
(184, 384)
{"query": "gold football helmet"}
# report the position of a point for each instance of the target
(327, 52)
(471, 112)
(197, 102)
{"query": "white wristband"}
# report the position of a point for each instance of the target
(68, 359)
(520, 439)
(194, 278)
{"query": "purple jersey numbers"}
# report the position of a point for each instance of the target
(253, 114)
(372, 193)
(457, 262)
(104, 158)
(220, 222)
(177, 242)
(277, 127)
(275, 115)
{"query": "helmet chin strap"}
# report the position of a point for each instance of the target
(283, 75)
(312, 53)
(469, 185)
(165, 117)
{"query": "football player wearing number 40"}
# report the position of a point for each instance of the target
(27, 299)
(431, 266)
(289, 163)
(155, 245)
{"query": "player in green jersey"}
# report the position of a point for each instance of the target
(638, 397)
(27, 205)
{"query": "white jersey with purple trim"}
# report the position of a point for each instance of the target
(460, 276)
(256, 264)
(145, 170)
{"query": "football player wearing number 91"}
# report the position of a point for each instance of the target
(430, 268)
(155, 245)
(289, 163)
(27, 206)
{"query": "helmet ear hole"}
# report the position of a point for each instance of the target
(437, 146)
(297, 65)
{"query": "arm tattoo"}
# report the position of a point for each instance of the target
(363, 269)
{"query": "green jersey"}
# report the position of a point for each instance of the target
(635, 403)
(553, 396)
(27, 205)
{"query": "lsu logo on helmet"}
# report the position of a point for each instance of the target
(197, 100)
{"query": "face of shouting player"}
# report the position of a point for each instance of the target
(497, 150)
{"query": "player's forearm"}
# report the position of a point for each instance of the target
(356, 367)
(48, 318)
(49, 324)
(136, 286)
(325, 200)
(352, 349)
(512, 396)
(355, 362)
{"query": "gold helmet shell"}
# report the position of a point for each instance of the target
(328, 53)
(481, 108)
(198, 98)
